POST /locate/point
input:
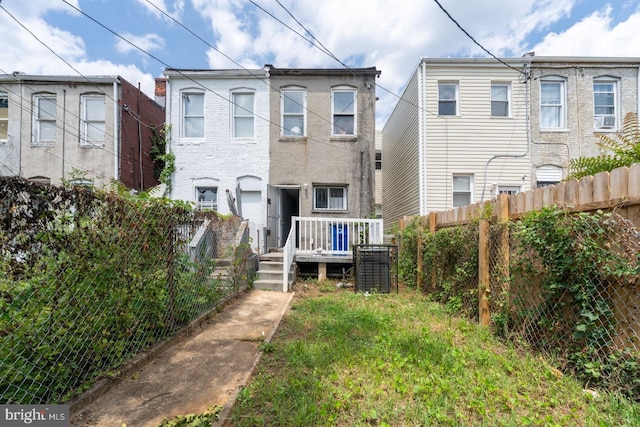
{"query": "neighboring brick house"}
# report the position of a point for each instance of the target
(322, 150)
(93, 129)
(220, 138)
(468, 129)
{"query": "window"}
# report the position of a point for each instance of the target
(447, 99)
(93, 120)
(243, 115)
(344, 111)
(552, 104)
(378, 160)
(508, 189)
(44, 119)
(4, 116)
(462, 185)
(193, 115)
(500, 94)
(330, 198)
(604, 103)
(548, 175)
(207, 198)
(293, 112)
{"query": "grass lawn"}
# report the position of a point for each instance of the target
(346, 359)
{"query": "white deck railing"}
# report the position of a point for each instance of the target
(328, 237)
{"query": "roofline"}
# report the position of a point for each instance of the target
(368, 71)
(214, 73)
(21, 77)
(528, 59)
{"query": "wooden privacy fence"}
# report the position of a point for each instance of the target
(616, 191)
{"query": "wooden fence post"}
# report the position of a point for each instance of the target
(483, 273)
(432, 230)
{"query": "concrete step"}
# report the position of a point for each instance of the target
(270, 266)
(269, 275)
(268, 285)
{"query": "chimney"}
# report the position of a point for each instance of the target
(161, 91)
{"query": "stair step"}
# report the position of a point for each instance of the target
(268, 285)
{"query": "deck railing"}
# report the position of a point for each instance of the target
(328, 237)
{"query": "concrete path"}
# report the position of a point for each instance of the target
(206, 369)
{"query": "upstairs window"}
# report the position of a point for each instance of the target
(207, 198)
(4, 116)
(344, 111)
(44, 119)
(243, 117)
(193, 115)
(330, 198)
(448, 99)
(552, 104)
(92, 126)
(293, 112)
(462, 186)
(500, 96)
(605, 97)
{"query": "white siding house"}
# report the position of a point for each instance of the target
(220, 137)
(457, 136)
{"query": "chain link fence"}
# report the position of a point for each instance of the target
(563, 284)
(89, 279)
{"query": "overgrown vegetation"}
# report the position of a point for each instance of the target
(580, 271)
(345, 358)
(88, 279)
(620, 149)
(567, 290)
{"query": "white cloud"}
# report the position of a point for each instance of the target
(147, 42)
(595, 35)
(159, 8)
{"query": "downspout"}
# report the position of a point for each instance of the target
(64, 126)
(116, 133)
(167, 107)
(422, 185)
(527, 77)
(140, 142)
(20, 140)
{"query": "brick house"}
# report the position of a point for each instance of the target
(93, 129)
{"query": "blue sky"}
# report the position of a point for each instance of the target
(387, 34)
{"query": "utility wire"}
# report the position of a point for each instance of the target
(237, 63)
(474, 40)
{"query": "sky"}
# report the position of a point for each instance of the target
(138, 39)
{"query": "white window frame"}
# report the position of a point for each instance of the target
(200, 195)
(300, 115)
(336, 128)
(4, 118)
(192, 116)
(561, 103)
(327, 190)
(95, 123)
(238, 112)
(39, 122)
(447, 100)
(501, 102)
(606, 121)
(455, 190)
(508, 189)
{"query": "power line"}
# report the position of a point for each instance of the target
(236, 63)
(474, 40)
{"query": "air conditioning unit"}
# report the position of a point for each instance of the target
(605, 122)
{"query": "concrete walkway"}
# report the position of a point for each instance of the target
(205, 369)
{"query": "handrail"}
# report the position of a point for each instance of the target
(288, 256)
(336, 236)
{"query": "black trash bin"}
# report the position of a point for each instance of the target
(373, 268)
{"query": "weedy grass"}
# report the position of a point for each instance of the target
(351, 359)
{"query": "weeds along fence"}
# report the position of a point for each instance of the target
(555, 269)
(89, 279)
